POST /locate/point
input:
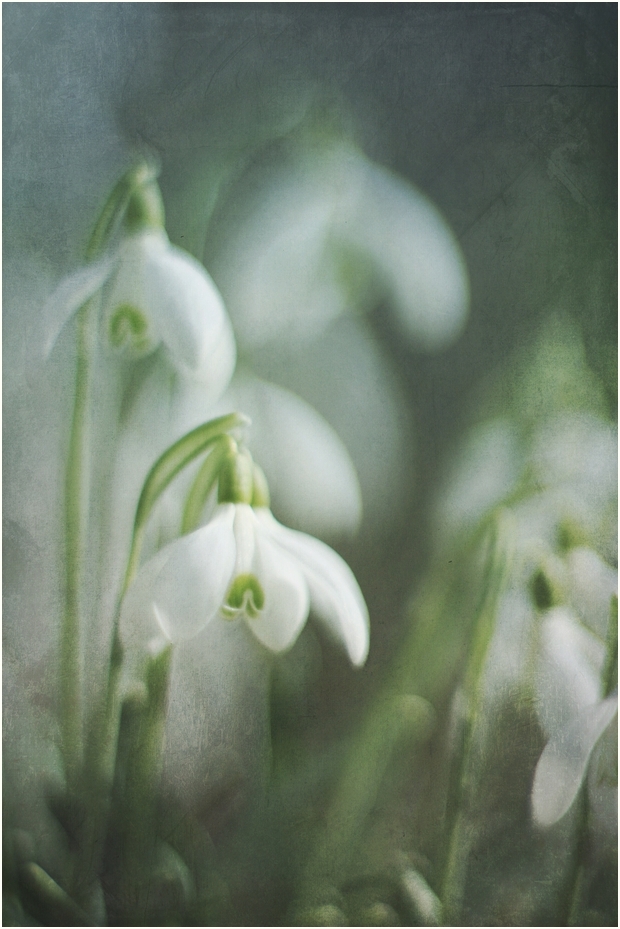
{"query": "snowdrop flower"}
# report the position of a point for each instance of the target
(571, 710)
(327, 232)
(245, 565)
(153, 294)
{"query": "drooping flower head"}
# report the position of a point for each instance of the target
(245, 565)
(152, 294)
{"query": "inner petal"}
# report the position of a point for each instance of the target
(245, 597)
(128, 330)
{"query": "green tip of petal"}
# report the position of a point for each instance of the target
(245, 596)
(128, 330)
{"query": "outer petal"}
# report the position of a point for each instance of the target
(286, 596)
(128, 286)
(592, 585)
(275, 268)
(334, 593)
(569, 669)
(72, 292)
(412, 248)
(563, 764)
(190, 589)
(185, 583)
(187, 308)
(313, 480)
(348, 379)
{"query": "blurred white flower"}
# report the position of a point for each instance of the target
(569, 665)
(152, 294)
(329, 231)
(243, 563)
(348, 378)
(314, 483)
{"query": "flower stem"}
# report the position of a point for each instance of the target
(75, 501)
(460, 832)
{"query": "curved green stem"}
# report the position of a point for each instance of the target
(165, 469)
(104, 726)
(75, 494)
(116, 205)
(203, 484)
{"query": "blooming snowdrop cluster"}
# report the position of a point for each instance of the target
(545, 469)
(184, 600)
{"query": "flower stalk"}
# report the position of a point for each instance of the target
(460, 836)
(75, 505)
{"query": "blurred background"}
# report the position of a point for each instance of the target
(503, 115)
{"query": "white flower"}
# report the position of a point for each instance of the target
(324, 231)
(153, 294)
(570, 708)
(244, 564)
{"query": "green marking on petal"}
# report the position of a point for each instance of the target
(245, 596)
(128, 328)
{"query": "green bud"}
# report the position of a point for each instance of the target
(235, 482)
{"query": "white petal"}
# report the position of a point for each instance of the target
(245, 533)
(286, 596)
(275, 268)
(188, 309)
(568, 671)
(563, 764)
(128, 288)
(334, 593)
(185, 583)
(310, 473)
(414, 251)
(592, 584)
(486, 470)
(72, 292)
(348, 379)
(138, 622)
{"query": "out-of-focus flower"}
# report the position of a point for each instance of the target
(314, 483)
(153, 293)
(551, 457)
(329, 231)
(571, 710)
(244, 563)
